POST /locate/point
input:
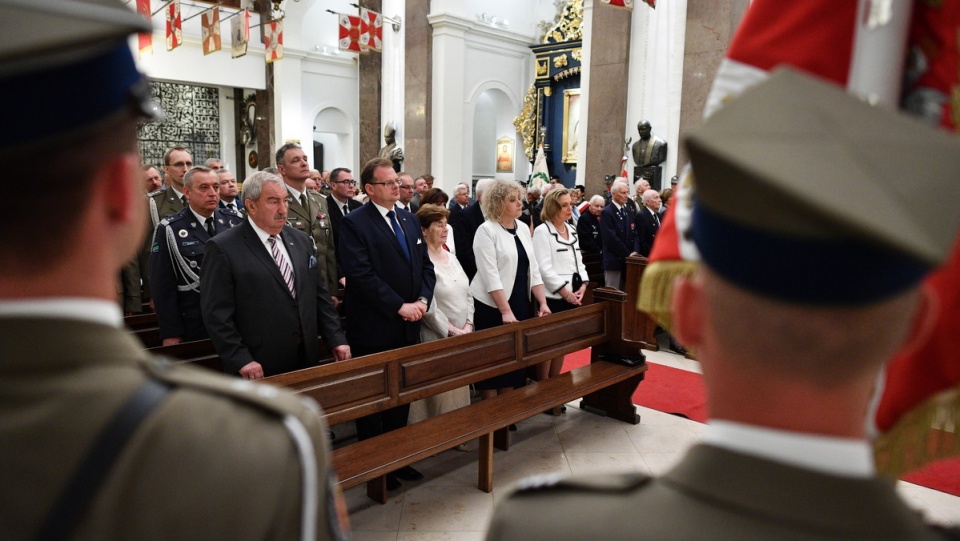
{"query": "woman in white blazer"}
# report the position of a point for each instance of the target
(507, 272)
(557, 252)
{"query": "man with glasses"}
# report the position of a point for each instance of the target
(406, 192)
(340, 201)
(390, 282)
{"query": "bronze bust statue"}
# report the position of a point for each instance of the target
(649, 149)
(391, 151)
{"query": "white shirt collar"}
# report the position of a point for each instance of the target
(846, 457)
(179, 194)
(82, 309)
(293, 191)
(384, 210)
(200, 217)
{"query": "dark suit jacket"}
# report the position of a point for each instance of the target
(380, 279)
(712, 493)
(617, 235)
(238, 201)
(588, 231)
(248, 309)
(336, 215)
(465, 224)
(647, 227)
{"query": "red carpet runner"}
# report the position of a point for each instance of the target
(681, 392)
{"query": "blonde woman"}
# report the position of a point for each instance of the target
(507, 272)
(557, 250)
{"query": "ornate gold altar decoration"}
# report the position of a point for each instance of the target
(560, 61)
(526, 122)
(569, 27)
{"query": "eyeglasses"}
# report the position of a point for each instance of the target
(387, 183)
(182, 164)
(402, 187)
(347, 182)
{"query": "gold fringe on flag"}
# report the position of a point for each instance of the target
(927, 433)
(657, 287)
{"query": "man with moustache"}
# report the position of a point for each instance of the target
(263, 297)
(151, 178)
(177, 256)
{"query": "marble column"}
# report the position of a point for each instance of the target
(710, 27)
(370, 90)
(609, 68)
(418, 87)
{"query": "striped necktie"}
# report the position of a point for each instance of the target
(285, 269)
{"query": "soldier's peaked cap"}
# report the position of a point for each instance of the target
(807, 194)
(65, 66)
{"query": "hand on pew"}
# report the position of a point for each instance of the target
(252, 371)
(341, 353)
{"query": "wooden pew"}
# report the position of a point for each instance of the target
(637, 325)
(349, 390)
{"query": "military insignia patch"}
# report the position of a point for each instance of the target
(183, 233)
(155, 248)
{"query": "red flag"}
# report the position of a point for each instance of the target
(240, 34)
(371, 36)
(349, 33)
(210, 30)
(174, 26)
(627, 4)
(273, 40)
(145, 38)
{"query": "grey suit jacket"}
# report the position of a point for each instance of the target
(248, 310)
(712, 494)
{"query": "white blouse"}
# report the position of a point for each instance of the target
(496, 253)
(559, 258)
(452, 301)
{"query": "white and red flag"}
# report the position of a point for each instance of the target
(371, 26)
(626, 4)
(174, 25)
(210, 30)
(350, 33)
(273, 40)
(240, 34)
(145, 39)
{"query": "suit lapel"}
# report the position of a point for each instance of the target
(381, 225)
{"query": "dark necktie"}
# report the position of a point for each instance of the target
(303, 201)
(399, 231)
(183, 200)
(345, 209)
(210, 229)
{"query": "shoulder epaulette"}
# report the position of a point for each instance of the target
(156, 192)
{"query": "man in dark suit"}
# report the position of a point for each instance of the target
(263, 295)
(460, 199)
(617, 234)
(340, 201)
(647, 222)
(229, 194)
(177, 257)
(407, 189)
(588, 227)
(390, 282)
(465, 225)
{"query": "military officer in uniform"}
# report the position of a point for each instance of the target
(177, 256)
(803, 293)
(100, 439)
(308, 210)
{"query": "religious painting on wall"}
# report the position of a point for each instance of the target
(571, 123)
(505, 146)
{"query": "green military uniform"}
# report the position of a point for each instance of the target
(160, 204)
(314, 220)
(214, 460)
(128, 287)
(712, 494)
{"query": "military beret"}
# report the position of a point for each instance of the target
(807, 194)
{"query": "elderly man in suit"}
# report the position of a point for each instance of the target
(617, 234)
(390, 283)
(100, 439)
(465, 224)
(803, 295)
(647, 222)
(263, 294)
